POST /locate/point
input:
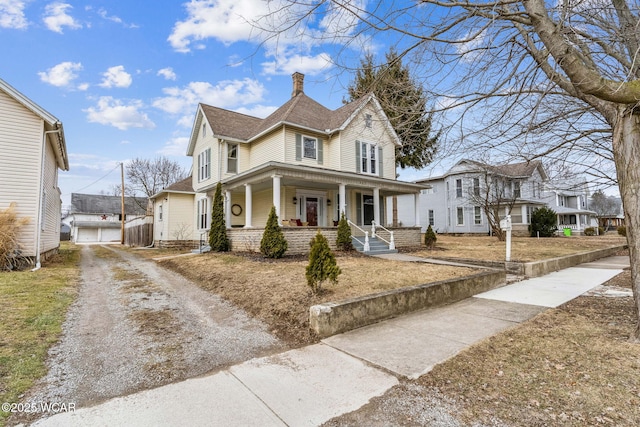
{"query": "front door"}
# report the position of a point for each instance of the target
(367, 209)
(312, 210)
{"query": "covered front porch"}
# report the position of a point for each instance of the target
(575, 219)
(308, 198)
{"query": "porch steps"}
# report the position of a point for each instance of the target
(202, 250)
(376, 246)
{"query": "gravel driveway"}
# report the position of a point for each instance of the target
(136, 325)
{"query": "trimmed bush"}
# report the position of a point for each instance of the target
(273, 243)
(218, 239)
(322, 264)
(343, 241)
(544, 221)
(622, 230)
(590, 231)
(430, 238)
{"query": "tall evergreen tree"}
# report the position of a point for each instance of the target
(404, 102)
(218, 240)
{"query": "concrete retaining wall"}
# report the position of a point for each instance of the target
(540, 268)
(333, 318)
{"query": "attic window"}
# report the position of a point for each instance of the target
(204, 130)
(367, 120)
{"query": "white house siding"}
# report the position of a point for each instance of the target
(20, 158)
(50, 235)
(180, 225)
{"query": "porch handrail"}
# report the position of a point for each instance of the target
(390, 242)
(202, 240)
(365, 244)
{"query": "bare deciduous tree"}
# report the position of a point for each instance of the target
(148, 176)
(526, 77)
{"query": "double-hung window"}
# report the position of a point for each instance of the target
(476, 187)
(432, 219)
(204, 165)
(516, 190)
(369, 158)
(460, 216)
(203, 213)
(458, 187)
(477, 215)
(232, 158)
(309, 147)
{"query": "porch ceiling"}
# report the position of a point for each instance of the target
(320, 178)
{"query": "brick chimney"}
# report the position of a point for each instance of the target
(298, 83)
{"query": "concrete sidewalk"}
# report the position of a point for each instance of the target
(308, 386)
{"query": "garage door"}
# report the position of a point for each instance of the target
(110, 235)
(87, 235)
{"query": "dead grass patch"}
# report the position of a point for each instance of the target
(277, 292)
(568, 366)
(523, 249)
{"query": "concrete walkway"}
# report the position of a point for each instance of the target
(310, 385)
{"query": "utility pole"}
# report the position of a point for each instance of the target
(122, 205)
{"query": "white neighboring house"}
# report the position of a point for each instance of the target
(452, 204)
(98, 218)
(569, 198)
(32, 149)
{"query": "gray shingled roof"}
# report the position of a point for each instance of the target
(299, 110)
(100, 204)
(186, 185)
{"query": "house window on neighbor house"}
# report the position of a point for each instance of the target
(203, 214)
(432, 218)
(204, 165)
(448, 217)
(367, 120)
(476, 187)
(477, 215)
(232, 158)
(159, 212)
(309, 147)
(458, 188)
(460, 216)
(516, 190)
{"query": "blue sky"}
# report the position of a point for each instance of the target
(125, 77)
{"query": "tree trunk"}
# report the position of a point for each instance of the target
(626, 151)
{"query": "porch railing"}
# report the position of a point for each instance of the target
(374, 233)
(365, 244)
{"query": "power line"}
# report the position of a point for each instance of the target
(95, 182)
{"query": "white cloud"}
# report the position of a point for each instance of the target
(116, 77)
(113, 112)
(56, 17)
(167, 73)
(227, 93)
(225, 20)
(62, 75)
(310, 65)
(113, 18)
(175, 146)
(261, 111)
(12, 14)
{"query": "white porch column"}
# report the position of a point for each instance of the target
(578, 222)
(276, 196)
(416, 201)
(343, 200)
(525, 218)
(376, 205)
(227, 208)
(248, 206)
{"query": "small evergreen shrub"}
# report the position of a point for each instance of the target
(622, 230)
(218, 240)
(322, 264)
(273, 243)
(430, 238)
(343, 241)
(590, 231)
(543, 220)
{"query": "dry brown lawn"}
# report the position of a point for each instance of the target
(523, 249)
(277, 292)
